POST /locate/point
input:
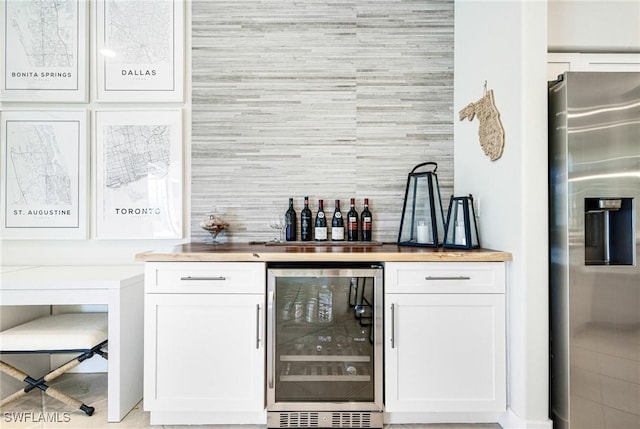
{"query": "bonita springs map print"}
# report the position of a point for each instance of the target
(44, 50)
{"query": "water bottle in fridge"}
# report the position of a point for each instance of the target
(325, 305)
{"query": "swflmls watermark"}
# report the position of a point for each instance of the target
(35, 417)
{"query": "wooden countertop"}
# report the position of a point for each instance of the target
(308, 252)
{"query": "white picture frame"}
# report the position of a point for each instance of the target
(55, 70)
(44, 158)
(139, 157)
(140, 63)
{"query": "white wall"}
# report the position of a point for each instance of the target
(594, 26)
(505, 44)
(77, 252)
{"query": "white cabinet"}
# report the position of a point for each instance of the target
(560, 62)
(204, 343)
(445, 342)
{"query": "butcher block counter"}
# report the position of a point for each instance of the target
(313, 252)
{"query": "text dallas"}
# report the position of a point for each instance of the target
(139, 72)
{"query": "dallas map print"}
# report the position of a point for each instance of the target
(44, 171)
(139, 174)
(44, 49)
(140, 48)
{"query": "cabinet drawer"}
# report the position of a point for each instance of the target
(445, 277)
(205, 277)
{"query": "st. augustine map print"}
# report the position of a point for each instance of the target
(41, 44)
(42, 174)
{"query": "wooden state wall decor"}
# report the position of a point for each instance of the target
(490, 131)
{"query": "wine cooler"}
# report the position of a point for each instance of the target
(324, 346)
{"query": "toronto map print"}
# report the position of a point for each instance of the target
(139, 165)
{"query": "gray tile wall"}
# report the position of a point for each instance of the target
(326, 98)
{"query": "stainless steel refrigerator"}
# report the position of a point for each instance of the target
(594, 184)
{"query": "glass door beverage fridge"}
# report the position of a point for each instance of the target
(324, 346)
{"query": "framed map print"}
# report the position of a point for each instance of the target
(44, 50)
(44, 174)
(140, 50)
(138, 174)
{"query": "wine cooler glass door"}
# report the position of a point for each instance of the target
(325, 338)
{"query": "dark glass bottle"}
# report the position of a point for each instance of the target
(367, 221)
(337, 224)
(321, 223)
(305, 221)
(352, 222)
(291, 222)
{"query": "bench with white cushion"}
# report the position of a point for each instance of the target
(82, 333)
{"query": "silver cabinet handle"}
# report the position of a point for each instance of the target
(271, 354)
(448, 278)
(393, 326)
(257, 326)
(216, 278)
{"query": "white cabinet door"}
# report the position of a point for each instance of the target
(445, 353)
(204, 352)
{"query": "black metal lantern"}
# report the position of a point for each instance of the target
(462, 230)
(422, 222)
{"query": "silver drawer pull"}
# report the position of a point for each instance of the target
(448, 278)
(218, 278)
(393, 326)
(257, 326)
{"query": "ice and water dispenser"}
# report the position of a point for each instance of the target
(609, 233)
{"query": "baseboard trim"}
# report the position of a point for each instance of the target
(511, 420)
(207, 418)
(440, 417)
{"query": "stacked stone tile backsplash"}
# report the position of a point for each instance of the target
(331, 99)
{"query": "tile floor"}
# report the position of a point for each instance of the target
(31, 411)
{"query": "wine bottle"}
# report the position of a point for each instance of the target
(337, 224)
(321, 223)
(367, 221)
(290, 222)
(305, 221)
(352, 222)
